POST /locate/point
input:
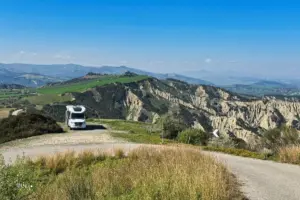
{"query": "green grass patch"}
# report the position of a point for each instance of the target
(138, 132)
(85, 85)
(44, 99)
(141, 138)
(15, 93)
(237, 152)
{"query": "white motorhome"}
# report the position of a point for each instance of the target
(75, 117)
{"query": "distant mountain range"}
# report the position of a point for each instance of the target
(11, 86)
(38, 75)
(231, 77)
(8, 76)
(263, 88)
(33, 75)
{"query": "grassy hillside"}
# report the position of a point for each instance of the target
(45, 99)
(85, 85)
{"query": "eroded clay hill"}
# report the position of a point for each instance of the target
(205, 107)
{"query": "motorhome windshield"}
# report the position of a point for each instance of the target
(77, 116)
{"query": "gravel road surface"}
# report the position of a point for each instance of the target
(264, 180)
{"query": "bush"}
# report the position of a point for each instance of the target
(227, 142)
(193, 136)
(16, 182)
(26, 125)
(280, 137)
(172, 127)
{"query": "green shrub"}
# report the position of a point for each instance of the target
(193, 136)
(26, 125)
(280, 137)
(16, 182)
(227, 142)
(172, 127)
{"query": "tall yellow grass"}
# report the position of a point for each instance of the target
(290, 154)
(146, 173)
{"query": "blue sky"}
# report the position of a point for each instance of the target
(161, 36)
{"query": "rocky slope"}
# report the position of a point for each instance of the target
(204, 107)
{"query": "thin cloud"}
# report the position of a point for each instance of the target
(123, 62)
(63, 57)
(208, 60)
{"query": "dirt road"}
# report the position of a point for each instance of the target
(264, 180)
(261, 180)
(55, 143)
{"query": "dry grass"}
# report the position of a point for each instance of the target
(4, 112)
(146, 173)
(64, 161)
(290, 154)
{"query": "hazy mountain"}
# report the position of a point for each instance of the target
(263, 88)
(11, 86)
(68, 71)
(221, 78)
(273, 84)
(13, 76)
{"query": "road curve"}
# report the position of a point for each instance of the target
(264, 180)
(261, 180)
(50, 144)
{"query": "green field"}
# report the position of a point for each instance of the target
(7, 93)
(48, 99)
(85, 85)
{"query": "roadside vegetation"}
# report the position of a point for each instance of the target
(161, 173)
(290, 154)
(26, 125)
(237, 152)
(138, 132)
(279, 144)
